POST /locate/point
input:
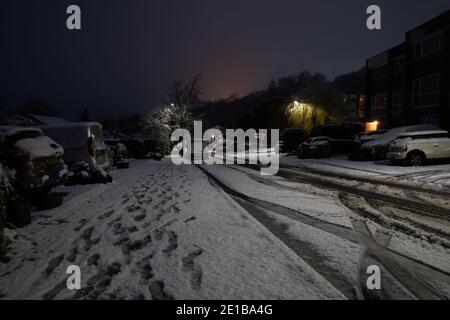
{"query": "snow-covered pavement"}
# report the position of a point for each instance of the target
(159, 232)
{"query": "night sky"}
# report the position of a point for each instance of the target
(129, 50)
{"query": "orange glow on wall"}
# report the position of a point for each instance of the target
(372, 126)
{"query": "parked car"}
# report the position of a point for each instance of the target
(82, 142)
(323, 147)
(35, 161)
(369, 136)
(135, 147)
(415, 148)
(120, 156)
(378, 148)
(317, 147)
(361, 139)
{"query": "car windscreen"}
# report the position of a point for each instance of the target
(98, 133)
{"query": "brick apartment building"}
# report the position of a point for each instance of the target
(410, 83)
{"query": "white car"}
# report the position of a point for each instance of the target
(414, 148)
(378, 148)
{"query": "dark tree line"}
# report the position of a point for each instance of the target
(310, 87)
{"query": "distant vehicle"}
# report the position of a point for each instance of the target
(316, 147)
(361, 139)
(35, 160)
(414, 148)
(378, 148)
(82, 142)
(135, 147)
(120, 156)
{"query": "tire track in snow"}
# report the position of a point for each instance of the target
(361, 235)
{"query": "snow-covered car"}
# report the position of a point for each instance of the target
(317, 147)
(82, 142)
(415, 148)
(34, 161)
(361, 139)
(378, 148)
(369, 136)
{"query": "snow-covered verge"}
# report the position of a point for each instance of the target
(429, 176)
(161, 232)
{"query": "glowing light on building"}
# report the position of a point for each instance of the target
(372, 126)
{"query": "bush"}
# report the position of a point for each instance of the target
(3, 240)
(4, 188)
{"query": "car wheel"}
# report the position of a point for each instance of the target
(415, 159)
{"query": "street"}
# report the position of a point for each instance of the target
(162, 231)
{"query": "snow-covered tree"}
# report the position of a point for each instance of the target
(179, 110)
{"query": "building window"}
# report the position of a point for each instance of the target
(380, 73)
(428, 46)
(397, 103)
(379, 105)
(427, 91)
(399, 65)
(430, 119)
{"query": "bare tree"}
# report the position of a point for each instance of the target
(183, 93)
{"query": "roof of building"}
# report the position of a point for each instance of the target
(12, 130)
(47, 120)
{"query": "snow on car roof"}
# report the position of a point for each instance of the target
(420, 133)
(12, 130)
(372, 133)
(392, 134)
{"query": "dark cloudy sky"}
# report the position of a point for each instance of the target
(129, 50)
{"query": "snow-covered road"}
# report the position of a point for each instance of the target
(341, 234)
(159, 232)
